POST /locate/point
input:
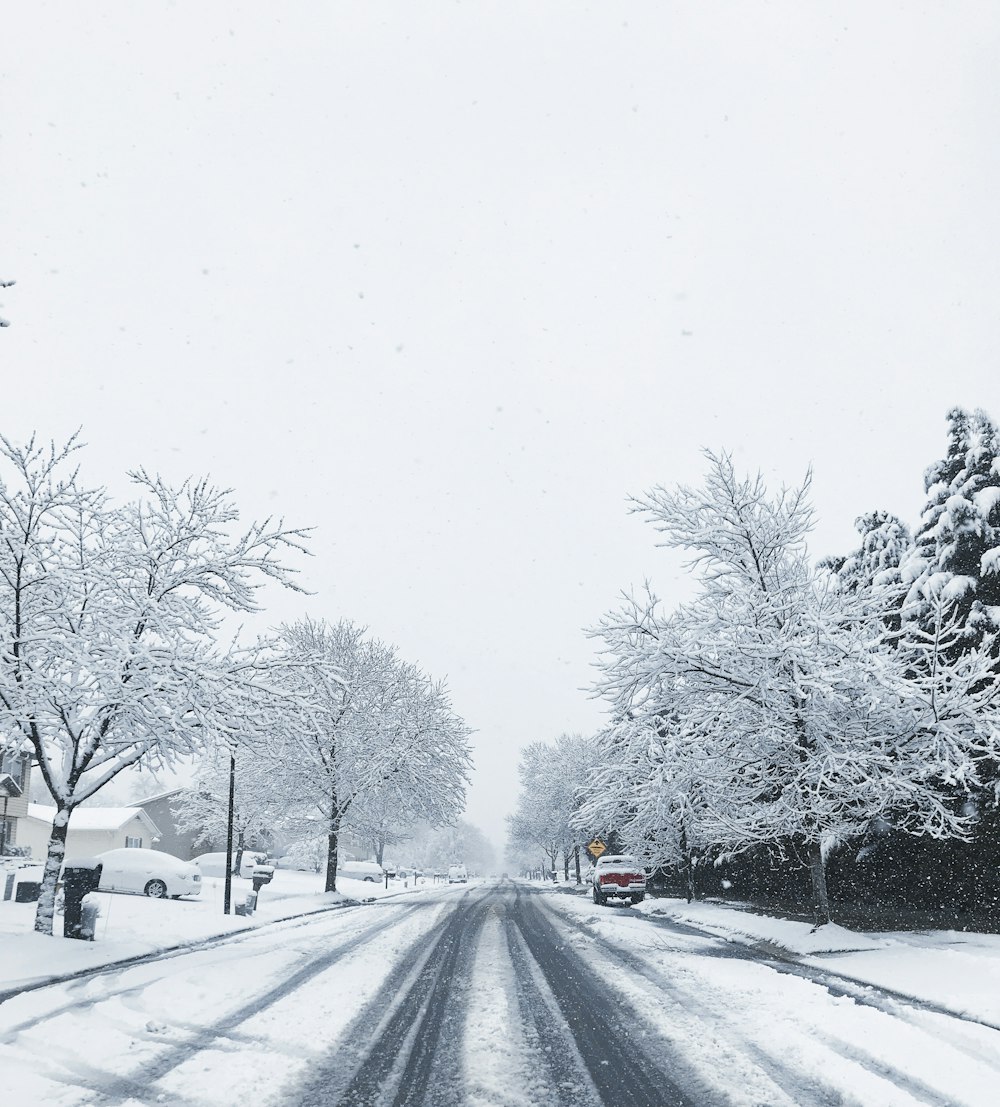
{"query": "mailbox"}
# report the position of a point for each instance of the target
(262, 874)
(79, 877)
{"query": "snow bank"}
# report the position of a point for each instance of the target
(133, 926)
(956, 971)
(781, 935)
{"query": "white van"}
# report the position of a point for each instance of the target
(457, 875)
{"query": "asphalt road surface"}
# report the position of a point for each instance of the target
(490, 995)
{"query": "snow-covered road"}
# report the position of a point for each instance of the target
(496, 994)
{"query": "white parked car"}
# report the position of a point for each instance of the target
(361, 870)
(458, 875)
(148, 872)
(214, 864)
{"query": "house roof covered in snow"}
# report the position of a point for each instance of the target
(96, 818)
(158, 796)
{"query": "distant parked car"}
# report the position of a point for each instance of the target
(616, 876)
(306, 855)
(295, 861)
(148, 872)
(370, 871)
(457, 875)
(214, 864)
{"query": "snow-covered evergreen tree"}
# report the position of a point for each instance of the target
(957, 545)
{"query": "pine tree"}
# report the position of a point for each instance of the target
(956, 556)
(876, 566)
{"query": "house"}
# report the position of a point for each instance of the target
(181, 843)
(92, 830)
(15, 779)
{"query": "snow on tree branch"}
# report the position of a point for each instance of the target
(107, 620)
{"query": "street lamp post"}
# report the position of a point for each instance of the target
(229, 832)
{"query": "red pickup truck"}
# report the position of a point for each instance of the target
(619, 877)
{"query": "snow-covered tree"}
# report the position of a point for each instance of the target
(368, 724)
(461, 843)
(886, 543)
(957, 545)
(648, 786)
(379, 820)
(553, 785)
(786, 691)
(108, 621)
(260, 799)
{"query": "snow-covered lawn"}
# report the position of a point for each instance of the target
(955, 970)
(130, 926)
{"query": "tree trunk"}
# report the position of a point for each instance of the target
(576, 860)
(50, 875)
(380, 850)
(565, 865)
(332, 844)
(817, 873)
(688, 867)
(238, 859)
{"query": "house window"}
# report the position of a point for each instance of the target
(133, 843)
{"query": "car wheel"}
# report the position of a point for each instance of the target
(639, 898)
(598, 898)
(156, 889)
(369, 880)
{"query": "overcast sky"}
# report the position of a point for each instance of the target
(449, 281)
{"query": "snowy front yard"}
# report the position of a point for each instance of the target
(131, 926)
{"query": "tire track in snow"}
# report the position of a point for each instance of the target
(838, 984)
(108, 1088)
(546, 1031)
(494, 1047)
(802, 1089)
(608, 1037)
(79, 1002)
(396, 1052)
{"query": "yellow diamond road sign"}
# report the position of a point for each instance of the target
(596, 848)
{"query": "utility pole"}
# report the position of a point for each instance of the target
(229, 832)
